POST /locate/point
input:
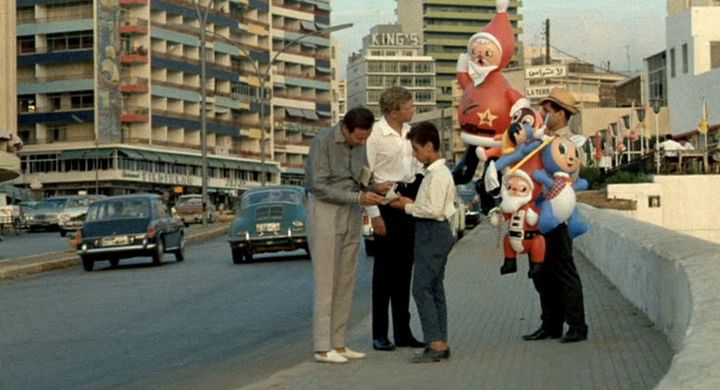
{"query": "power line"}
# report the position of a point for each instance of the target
(576, 58)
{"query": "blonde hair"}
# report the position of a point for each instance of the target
(393, 97)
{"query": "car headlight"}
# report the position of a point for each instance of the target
(298, 226)
(64, 217)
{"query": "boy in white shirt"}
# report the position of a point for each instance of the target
(433, 206)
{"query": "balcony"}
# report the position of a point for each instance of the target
(302, 75)
(137, 56)
(133, 85)
(133, 2)
(134, 26)
(132, 114)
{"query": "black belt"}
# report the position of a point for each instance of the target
(526, 236)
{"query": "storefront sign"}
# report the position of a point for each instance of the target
(395, 39)
(545, 72)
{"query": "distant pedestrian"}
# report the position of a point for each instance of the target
(432, 208)
(337, 181)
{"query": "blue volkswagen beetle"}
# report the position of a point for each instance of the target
(270, 219)
(127, 226)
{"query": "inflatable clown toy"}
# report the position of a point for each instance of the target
(488, 99)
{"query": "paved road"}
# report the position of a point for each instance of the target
(203, 323)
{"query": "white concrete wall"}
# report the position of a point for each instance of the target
(696, 27)
(672, 278)
(688, 203)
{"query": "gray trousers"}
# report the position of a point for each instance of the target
(334, 234)
(433, 242)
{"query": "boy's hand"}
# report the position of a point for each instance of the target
(399, 203)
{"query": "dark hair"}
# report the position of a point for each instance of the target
(668, 136)
(358, 118)
(392, 98)
(425, 132)
(557, 107)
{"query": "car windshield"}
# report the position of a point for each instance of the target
(55, 203)
(190, 201)
(466, 192)
(272, 196)
(119, 209)
(81, 202)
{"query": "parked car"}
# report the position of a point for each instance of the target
(468, 196)
(125, 226)
(72, 217)
(270, 219)
(26, 208)
(47, 214)
(188, 209)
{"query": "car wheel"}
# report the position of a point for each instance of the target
(159, 252)
(248, 256)
(237, 255)
(17, 225)
(114, 262)
(63, 233)
(180, 252)
(87, 264)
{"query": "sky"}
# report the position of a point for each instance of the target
(597, 31)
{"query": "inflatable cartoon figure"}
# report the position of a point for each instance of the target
(519, 209)
(488, 98)
(561, 162)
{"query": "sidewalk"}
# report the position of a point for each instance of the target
(15, 268)
(487, 314)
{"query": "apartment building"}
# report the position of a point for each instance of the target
(390, 57)
(444, 27)
(302, 76)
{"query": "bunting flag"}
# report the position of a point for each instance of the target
(703, 126)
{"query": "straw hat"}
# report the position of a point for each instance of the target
(563, 98)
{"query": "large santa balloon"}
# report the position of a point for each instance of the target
(488, 98)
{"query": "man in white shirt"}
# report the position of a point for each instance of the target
(686, 145)
(670, 146)
(390, 158)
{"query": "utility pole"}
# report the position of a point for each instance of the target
(547, 41)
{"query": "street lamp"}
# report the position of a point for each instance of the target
(656, 109)
(626, 121)
(202, 18)
(641, 118)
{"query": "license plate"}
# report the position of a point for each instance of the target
(110, 241)
(268, 227)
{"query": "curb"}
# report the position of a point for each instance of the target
(15, 268)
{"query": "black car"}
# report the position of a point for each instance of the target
(128, 226)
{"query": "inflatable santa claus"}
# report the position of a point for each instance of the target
(488, 98)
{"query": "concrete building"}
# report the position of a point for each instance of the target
(444, 28)
(301, 81)
(655, 78)
(390, 57)
(109, 93)
(341, 95)
(693, 52)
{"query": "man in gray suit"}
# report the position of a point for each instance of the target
(337, 180)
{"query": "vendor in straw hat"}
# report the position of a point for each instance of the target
(560, 105)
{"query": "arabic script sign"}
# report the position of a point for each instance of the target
(545, 72)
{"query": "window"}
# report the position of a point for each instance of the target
(391, 67)
(406, 67)
(375, 81)
(374, 67)
(685, 57)
(82, 100)
(55, 101)
(26, 44)
(423, 81)
(672, 62)
(423, 67)
(715, 55)
(406, 81)
(376, 53)
(58, 133)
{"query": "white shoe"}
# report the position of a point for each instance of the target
(332, 356)
(350, 354)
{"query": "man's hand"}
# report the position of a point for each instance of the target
(370, 198)
(378, 225)
(495, 216)
(382, 188)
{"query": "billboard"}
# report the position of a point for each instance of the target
(108, 98)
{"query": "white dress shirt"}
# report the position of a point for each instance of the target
(436, 196)
(390, 157)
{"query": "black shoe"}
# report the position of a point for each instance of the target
(509, 267)
(412, 342)
(383, 345)
(429, 355)
(574, 335)
(542, 334)
(535, 270)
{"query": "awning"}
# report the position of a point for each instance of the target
(215, 163)
(129, 153)
(295, 112)
(309, 26)
(323, 69)
(76, 154)
(99, 153)
(308, 44)
(310, 115)
(187, 160)
(326, 114)
(164, 157)
(148, 155)
(321, 26)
